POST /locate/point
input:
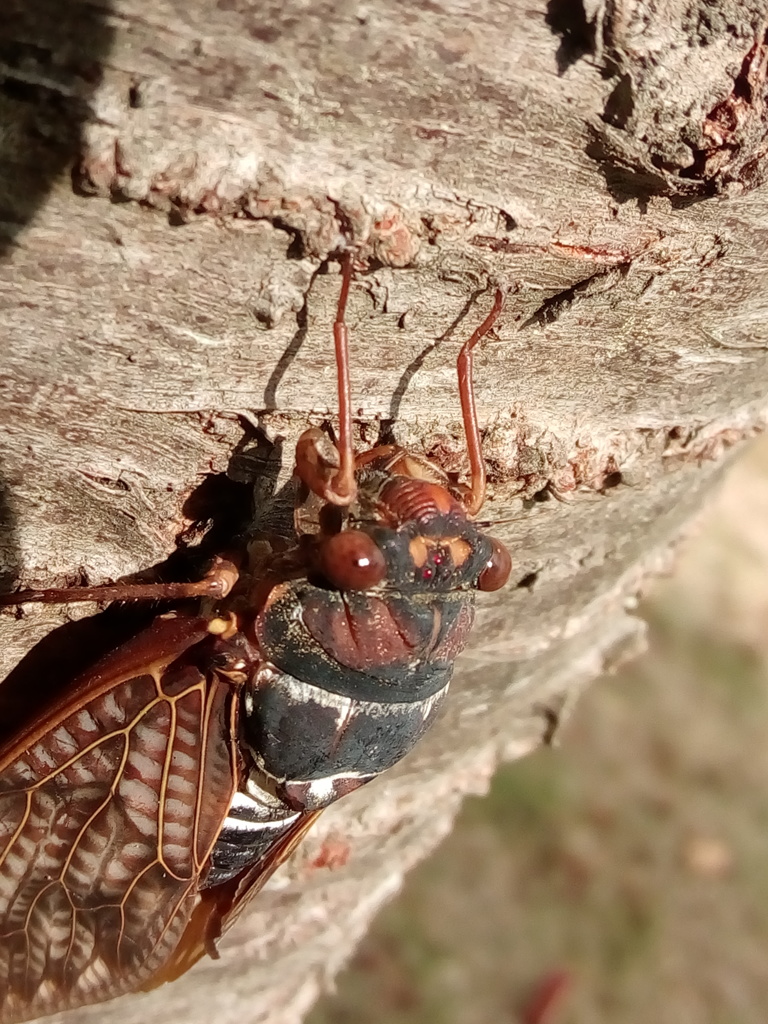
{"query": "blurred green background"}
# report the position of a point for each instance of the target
(625, 870)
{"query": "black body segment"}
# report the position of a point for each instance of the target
(300, 732)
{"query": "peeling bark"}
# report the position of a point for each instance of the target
(600, 160)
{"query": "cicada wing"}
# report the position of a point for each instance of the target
(109, 810)
(220, 906)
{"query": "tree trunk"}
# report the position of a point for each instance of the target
(167, 308)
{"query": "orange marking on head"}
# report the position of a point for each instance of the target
(419, 550)
(460, 550)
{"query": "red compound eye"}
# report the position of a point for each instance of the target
(350, 560)
(497, 568)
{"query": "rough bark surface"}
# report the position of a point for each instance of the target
(174, 175)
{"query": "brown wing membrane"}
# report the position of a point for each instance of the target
(109, 809)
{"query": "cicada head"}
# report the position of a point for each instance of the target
(411, 535)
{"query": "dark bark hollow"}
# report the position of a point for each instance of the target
(602, 161)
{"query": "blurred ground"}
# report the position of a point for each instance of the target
(633, 859)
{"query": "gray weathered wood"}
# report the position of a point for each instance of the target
(602, 162)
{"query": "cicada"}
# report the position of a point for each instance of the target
(142, 811)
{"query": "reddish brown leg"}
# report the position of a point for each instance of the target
(217, 583)
(474, 500)
(329, 470)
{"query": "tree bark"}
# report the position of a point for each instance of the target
(174, 180)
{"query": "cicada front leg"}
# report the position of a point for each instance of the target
(216, 583)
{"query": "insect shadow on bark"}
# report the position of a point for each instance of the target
(568, 20)
(291, 350)
(386, 433)
(51, 55)
(10, 554)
